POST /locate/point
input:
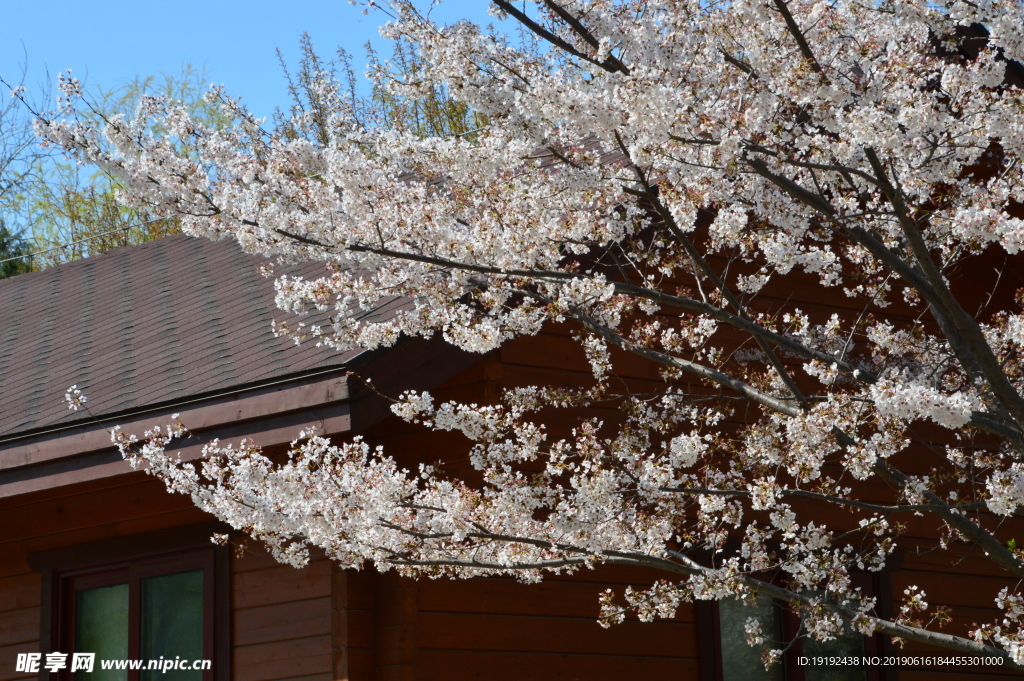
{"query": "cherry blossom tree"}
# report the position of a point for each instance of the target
(648, 173)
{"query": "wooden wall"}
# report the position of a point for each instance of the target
(281, 620)
(496, 629)
(89, 512)
(281, 617)
(502, 630)
(19, 620)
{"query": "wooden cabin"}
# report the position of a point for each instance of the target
(95, 554)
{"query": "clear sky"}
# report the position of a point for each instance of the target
(108, 42)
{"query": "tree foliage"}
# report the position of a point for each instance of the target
(667, 178)
(14, 254)
(20, 161)
(72, 212)
(325, 95)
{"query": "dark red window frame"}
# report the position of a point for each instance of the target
(152, 553)
(133, 573)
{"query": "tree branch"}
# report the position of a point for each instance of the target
(686, 566)
(801, 41)
(707, 373)
(741, 65)
(816, 496)
(980, 358)
(582, 32)
(999, 554)
(979, 420)
(666, 216)
(744, 323)
(558, 42)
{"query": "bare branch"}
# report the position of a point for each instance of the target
(582, 32)
(507, 7)
(974, 352)
(801, 40)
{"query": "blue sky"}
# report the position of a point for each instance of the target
(107, 43)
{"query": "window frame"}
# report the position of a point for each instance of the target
(132, 573)
(136, 557)
(877, 585)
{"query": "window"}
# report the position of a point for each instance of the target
(161, 597)
(155, 609)
(740, 660)
(726, 656)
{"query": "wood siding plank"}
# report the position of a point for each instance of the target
(484, 666)
(451, 631)
(19, 591)
(19, 626)
(282, 622)
(282, 660)
(9, 659)
(501, 596)
(280, 584)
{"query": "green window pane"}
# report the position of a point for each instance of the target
(740, 661)
(172, 623)
(101, 627)
(848, 644)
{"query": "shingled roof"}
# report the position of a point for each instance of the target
(141, 326)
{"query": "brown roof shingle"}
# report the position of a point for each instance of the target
(138, 326)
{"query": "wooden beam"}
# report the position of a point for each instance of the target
(339, 623)
(396, 615)
(217, 412)
(107, 462)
